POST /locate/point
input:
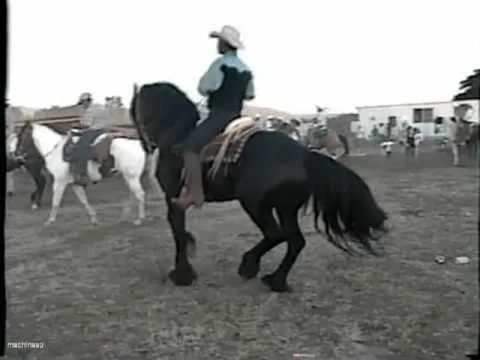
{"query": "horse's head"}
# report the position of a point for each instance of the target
(295, 122)
(24, 144)
(162, 114)
(12, 141)
(319, 130)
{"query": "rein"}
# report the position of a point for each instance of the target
(53, 149)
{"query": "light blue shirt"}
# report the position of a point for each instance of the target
(213, 78)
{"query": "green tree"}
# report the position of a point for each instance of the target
(469, 88)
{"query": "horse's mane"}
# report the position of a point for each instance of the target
(165, 110)
(173, 104)
(24, 127)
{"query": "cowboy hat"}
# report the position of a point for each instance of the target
(230, 35)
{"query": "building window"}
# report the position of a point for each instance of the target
(392, 121)
(423, 115)
(372, 118)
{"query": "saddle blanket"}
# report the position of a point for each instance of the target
(227, 147)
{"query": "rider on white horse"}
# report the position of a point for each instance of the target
(78, 150)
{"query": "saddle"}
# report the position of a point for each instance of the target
(226, 149)
(85, 145)
(320, 131)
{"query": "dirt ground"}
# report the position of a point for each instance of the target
(102, 293)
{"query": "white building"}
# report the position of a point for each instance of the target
(420, 115)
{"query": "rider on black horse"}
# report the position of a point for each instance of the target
(226, 84)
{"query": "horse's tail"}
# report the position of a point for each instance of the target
(343, 195)
(344, 141)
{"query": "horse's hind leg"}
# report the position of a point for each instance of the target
(277, 281)
(82, 197)
(263, 218)
(135, 187)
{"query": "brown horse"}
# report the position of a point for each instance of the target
(285, 127)
(473, 142)
(320, 137)
(461, 131)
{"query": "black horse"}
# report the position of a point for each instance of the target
(35, 165)
(273, 173)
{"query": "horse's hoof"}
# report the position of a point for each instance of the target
(183, 276)
(249, 267)
(94, 221)
(49, 222)
(138, 222)
(35, 207)
(275, 284)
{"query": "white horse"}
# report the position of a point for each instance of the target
(130, 160)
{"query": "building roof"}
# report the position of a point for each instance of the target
(404, 104)
(57, 113)
(121, 115)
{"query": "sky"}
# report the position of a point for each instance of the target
(338, 54)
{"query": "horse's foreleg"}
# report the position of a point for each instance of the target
(136, 188)
(58, 190)
(127, 206)
(82, 197)
(40, 182)
(10, 183)
(455, 153)
(183, 274)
